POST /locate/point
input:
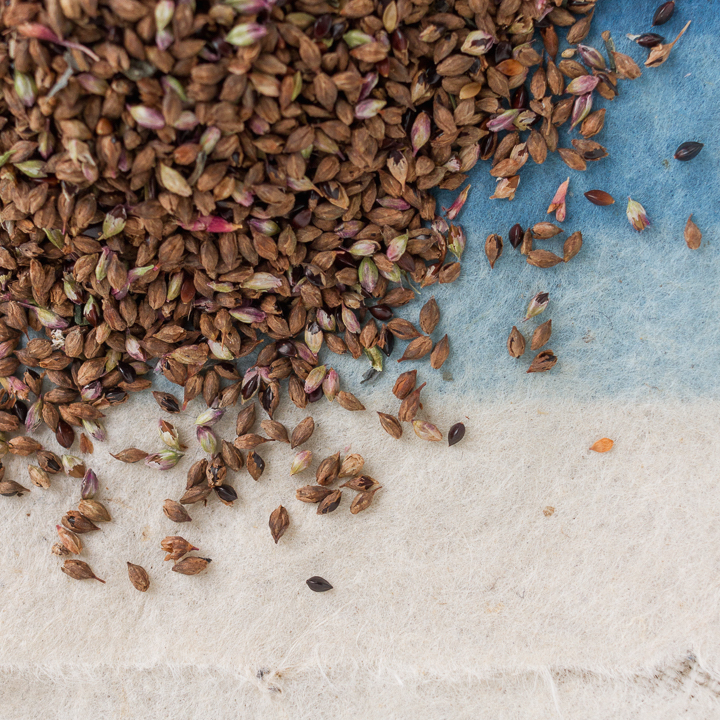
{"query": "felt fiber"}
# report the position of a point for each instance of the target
(515, 575)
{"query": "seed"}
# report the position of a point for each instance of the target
(245, 420)
(363, 500)
(328, 470)
(318, 584)
(599, 197)
(176, 547)
(77, 522)
(493, 249)
(543, 362)
(70, 541)
(543, 258)
(39, 477)
(138, 577)
(440, 353)
(330, 503)
(649, 40)
(602, 445)
(417, 348)
(64, 434)
(279, 523)
(175, 511)
(429, 316)
(516, 235)
(361, 483)
(231, 456)
(8, 488)
(349, 401)
(275, 430)
(541, 335)
(191, 565)
(197, 493)
(351, 466)
(410, 405)
(94, 510)
(255, 465)
(545, 230)
(660, 53)
(693, 236)
(302, 432)
(403, 329)
(79, 570)
(167, 402)
(456, 434)
(515, 343)
(688, 150)
(426, 431)
(404, 384)
(312, 493)
(664, 13)
(390, 425)
(301, 462)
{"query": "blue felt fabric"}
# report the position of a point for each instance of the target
(635, 315)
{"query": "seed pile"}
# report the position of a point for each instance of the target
(186, 184)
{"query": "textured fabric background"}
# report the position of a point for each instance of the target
(455, 596)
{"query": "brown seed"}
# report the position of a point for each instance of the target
(545, 230)
(70, 541)
(275, 430)
(602, 445)
(312, 493)
(39, 477)
(693, 236)
(191, 565)
(572, 159)
(417, 348)
(24, 446)
(363, 500)
(279, 522)
(440, 353)
(571, 246)
(351, 466)
(8, 488)
(130, 455)
(493, 248)
(197, 493)
(245, 420)
(541, 335)
(410, 405)
(94, 510)
(255, 465)
(138, 577)
(515, 343)
(231, 456)
(77, 522)
(330, 503)
(390, 425)
(328, 470)
(429, 316)
(405, 384)
(79, 570)
(403, 329)
(303, 431)
(543, 258)
(543, 362)
(349, 401)
(196, 473)
(361, 483)
(176, 546)
(249, 441)
(593, 123)
(175, 511)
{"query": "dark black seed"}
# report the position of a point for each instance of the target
(398, 40)
(226, 493)
(20, 409)
(381, 312)
(456, 434)
(516, 235)
(649, 40)
(386, 341)
(259, 462)
(266, 398)
(318, 584)
(322, 26)
(249, 390)
(688, 150)
(127, 371)
(503, 51)
(664, 13)
(64, 434)
(521, 98)
(286, 348)
(315, 395)
(302, 219)
(330, 507)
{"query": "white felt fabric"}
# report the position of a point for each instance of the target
(454, 595)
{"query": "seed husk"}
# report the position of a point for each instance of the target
(572, 246)
(301, 462)
(660, 53)
(302, 432)
(197, 493)
(361, 483)
(330, 503)
(456, 434)
(602, 445)
(279, 522)
(440, 353)
(429, 316)
(404, 384)
(349, 401)
(417, 348)
(167, 402)
(176, 546)
(426, 431)
(130, 455)
(94, 510)
(493, 249)
(78, 523)
(318, 584)
(275, 430)
(175, 511)
(196, 473)
(410, 405)
(38, 477)
(245, 420)
(688, 150)
(255, 465)
(8, 488)
(541, 335)
(191, 565)
(391, 425)
(70, 541)
(693, 236)
(403, 329)
(138, 577)
(363, 500)
(79, 570)
(312, 493)
(545, 230)
(543, 258)
(328, 470)
(599, 197)
(543, 362)
(515, 343)
(231, 456)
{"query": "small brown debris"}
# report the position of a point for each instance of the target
(602, 445)
(279, 522)
(548, 510)
(138, 577)
(693, 236)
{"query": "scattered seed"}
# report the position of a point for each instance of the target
(440, 353)
(302, 432)
(318, 584)
(175, 511)
(543, 362)
(429, 316)
(426, 431)
(138, 577)
(391, 425)
(664, 13)
(599, 197)
(541, 335)
(279, 522)
(363, 500)
(79, 570)
(456, 434)
(405, 384)
(688, 150)
(693, 236)
(191, 565)
(602, 445)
